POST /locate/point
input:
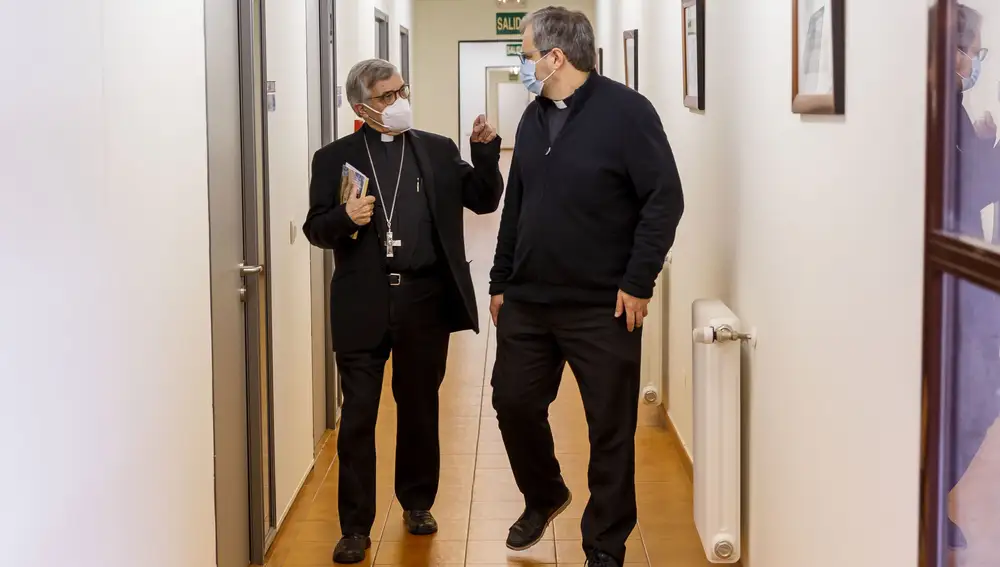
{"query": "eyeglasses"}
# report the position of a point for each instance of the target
(390, 97)
(980, 55)
(524, 55)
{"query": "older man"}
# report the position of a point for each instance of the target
(593, 202)
(401, 285)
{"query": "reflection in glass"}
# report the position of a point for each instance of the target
(972, 355)
(972, 209)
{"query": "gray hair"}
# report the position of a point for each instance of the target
(969, 23)
(568, 30)
(363, 77)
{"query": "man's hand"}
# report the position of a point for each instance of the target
(496, 302)
(482, 132)
(635, 310)
(986, 128)
(360, 209)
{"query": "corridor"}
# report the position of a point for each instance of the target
(478, 499)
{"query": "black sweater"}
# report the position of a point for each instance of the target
(595, 211)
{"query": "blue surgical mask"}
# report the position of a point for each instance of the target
(529, 80)
(977, 68)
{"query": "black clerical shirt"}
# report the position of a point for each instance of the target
(556, 115)
(412, 224)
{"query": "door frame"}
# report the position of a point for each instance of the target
(382, 25)
(229, 362)
(329, 133)
(260, 389)
(458, 65)
(944, 255)
(322, 93)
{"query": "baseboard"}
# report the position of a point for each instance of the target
(295, 496)
(686, 460)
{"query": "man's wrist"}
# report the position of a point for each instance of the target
(347, 217)
(635, 290)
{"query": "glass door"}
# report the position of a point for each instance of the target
(961, 449)
(253, 93)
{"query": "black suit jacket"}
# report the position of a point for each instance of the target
(359, 292)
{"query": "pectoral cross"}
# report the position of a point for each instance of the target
(391, 244)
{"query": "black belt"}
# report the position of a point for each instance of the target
(397, 279)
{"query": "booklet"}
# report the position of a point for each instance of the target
(352, 180)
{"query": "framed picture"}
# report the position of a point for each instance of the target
(818, 56)
(630, 39)
(693, 23)
(600, 60)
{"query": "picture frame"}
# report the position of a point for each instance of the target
(630, 43)
(693, 47)
(818, 61)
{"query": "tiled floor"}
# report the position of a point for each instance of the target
(478, 499)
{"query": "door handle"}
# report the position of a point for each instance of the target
(250, 270)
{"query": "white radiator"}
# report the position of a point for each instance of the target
(653, 386)
(716, 366)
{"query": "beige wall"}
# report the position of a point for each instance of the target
(442, 24)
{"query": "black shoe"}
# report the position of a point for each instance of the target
(351, 549)
(530, 527)
(956, 539)
(420, 522)
(600, 559)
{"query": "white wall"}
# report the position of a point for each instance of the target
(356, 42)
(105, 339)
(512, 99)
(288, 171)
(811, 229)
(442, 24)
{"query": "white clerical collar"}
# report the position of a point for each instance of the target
(387, 138)
(559, 104)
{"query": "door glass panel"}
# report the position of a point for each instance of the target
(972, 209)
(972, 371)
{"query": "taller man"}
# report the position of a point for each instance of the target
(593, 202)
(401, 285)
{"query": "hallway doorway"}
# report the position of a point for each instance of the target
(475, 60)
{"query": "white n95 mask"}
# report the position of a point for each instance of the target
(397, 117)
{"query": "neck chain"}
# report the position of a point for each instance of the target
(389, 211)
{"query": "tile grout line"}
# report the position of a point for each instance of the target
(479, 435)
(395, 438)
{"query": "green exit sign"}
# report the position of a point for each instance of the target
(509, 23)
(514, 49)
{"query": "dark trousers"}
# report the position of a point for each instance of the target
(417, 337)
(976, 378)
(533, 344)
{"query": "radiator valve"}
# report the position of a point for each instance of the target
(720, 334)
(650, 395)
(724, 550)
